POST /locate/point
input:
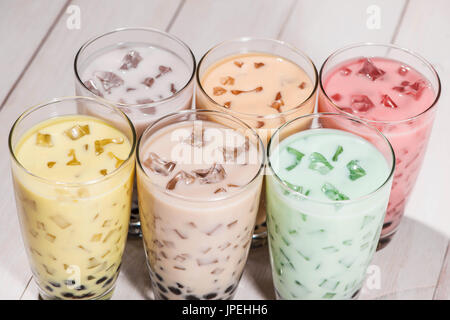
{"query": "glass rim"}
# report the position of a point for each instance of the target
(211, 112)
(255, 115)
(330, 202)
(389, 46)
(32, 109)
(137, 105)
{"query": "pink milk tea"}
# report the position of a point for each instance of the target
(389, 95)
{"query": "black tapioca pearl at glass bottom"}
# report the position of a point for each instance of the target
(54, 284)
(90, 278)
(158, 277)
(210, 296)
(179, 285)
(161, 287)
(49, 288)
(227, 290)
(174, 290)
(387, 225)
(191, 297)
(100, 280)
(67, 295)
(87, 295)
(80, 288)
(108, 282)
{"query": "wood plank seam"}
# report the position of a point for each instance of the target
(36, 51)
(441, 273)
(26, 287)
(288, 17)
(175, 15)
(400, 21)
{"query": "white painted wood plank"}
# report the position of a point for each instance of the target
(410, 265)
(21, 34)
(426, 30)
(51, 75)
(442, 291)
(321, 27)
(22, 27)
(204, 23)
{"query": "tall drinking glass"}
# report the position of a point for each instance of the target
(396, 91)
(327, 193)
(263, 82)
(145, 72)
(199, 182)
(73, 177)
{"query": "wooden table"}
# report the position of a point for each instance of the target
(37, 64)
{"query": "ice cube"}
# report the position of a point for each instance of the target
(403, 70)
(218, 91)
(149, 81)
(345, 71)
(109, 80)
(415, 89)
(214, 174)
(231, 154)
(44, 140)
(370, 70)
(163, 70)
(158, 165)
(361, 103)
(74, 161)
(118, 160)
(145, 101)
(182, 176)
(227, 80)
(336, 97)
(388, 102)
(196, 139)
(99, 144)
(77, 132)
(60, 221)
(92, 87)
(131, 60)
(172, 88)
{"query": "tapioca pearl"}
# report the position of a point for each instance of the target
(210, 296)
(67, 295)
(102, 279)
(175, 291)
(179, 285)
(159, 277)
(108, 282)
(87, 295)
(191, 297)
(161, 287)
(229, 289)
(80, 288)
(48, 288)
(54, 284)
